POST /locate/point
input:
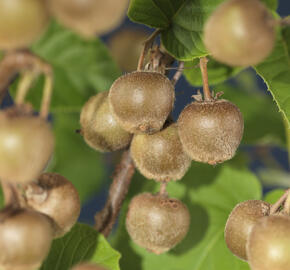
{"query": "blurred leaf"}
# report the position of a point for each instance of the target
(217, 72)
(210, 194)
(181, 21)
(81, 244)
(275, 71)
(273, 196)
(274, 177)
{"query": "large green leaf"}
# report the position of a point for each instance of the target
(275, 71)
(210, 194)
(81, 244)
(181, 23)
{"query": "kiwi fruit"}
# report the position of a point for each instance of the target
(157, 222)
(26, 146)
(100, 129)
(240, 223)
(21, 22)
(240, 32)
(88, 266)
(211, 131)
(26, 238)
(141, 101)
(268, 246)
(160, 156)
(57, 198)
(89, 17)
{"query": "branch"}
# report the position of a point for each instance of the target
(107, 217)
(178, 73)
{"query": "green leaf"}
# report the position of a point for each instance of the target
(217, 72)
(81, 244)
(74, 159)
(275, 71)
(273, 196)
(210, 194)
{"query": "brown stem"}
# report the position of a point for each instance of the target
(147, 45)
(11, 194)
(178, 73)
(14, 62)
(203, 68)
(275, 207)
(163, 189)
(124, 172)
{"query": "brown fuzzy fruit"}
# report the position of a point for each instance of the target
(57, 198)
(21, 22)
(240, 32)
(88, 266)
(211, 131)
(100, 129)
(26, 146)
(26, 238)
(142, 101)
(160, 156)
(157, 222)
(240, 223)
(268, 246)
(89, 17)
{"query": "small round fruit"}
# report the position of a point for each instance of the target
(26, 146)
(211, 131)
(160, 156)
(240, 33)
(57, 198)
(142, 101)
(89, 17)
(88, 266)
(157, 222)
(26, 238)
(240, 223)
(21, 22)
(100, 129)
(268, 246)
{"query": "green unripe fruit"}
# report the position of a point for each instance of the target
(157, 222)
(26, 146)
(21, 22)
(88, 266)
(100, 129)
(240, 223)
(211, 131)
(240, 33)
(57, 198)
(142, 101)
(160, 156)
(268, 246)
(26, 238)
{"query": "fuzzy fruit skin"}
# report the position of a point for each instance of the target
(88, 266)
(89, 17)
(268, 246)
(141, 101)
(26, 146)
(26, 238)
(240, 223)
(100, 129)
(160, 156)
(240, 33)
(22, 22)
(211, 131)
(157, 222)
(59, 200)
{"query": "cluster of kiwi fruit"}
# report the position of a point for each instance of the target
(24, 21)
(260, 236)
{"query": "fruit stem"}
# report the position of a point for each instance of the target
(287, 204)
(163, 189)
(147, 45)
(203, 68)
(47, 93)
(123, 174)
(23, 86)
(275, 207)
(178, 73)
(11, 194)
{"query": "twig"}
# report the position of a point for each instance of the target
(147, 45)
(277, 205)
(178, 73)
(124, 172)
(203, 68)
